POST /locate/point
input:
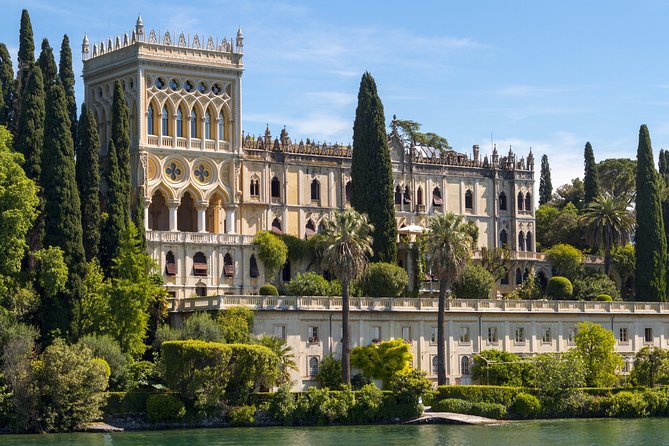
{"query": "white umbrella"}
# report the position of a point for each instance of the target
(411, 229)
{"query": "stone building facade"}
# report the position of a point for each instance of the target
(207, 188)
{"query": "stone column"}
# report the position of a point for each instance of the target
(201, 207)
(230, 219)
(172, 206)
(147, 204)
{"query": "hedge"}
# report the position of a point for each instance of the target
(487, 394)
(482, 409)
(164, 407)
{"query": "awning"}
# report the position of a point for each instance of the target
(200, 269)
(436, 200)
(309, 232)
(411, 229)
(171, 269)
(229, 270)
(276, 230)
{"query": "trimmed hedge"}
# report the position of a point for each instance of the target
(487, 394)
(268, 290)
(526, 405)
(482, 409)
(559, 288)
(627, 405)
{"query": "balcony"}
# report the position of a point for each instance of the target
(203, 238)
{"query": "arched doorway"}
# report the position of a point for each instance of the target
(186, 214)
(159, 217)
(216, 215)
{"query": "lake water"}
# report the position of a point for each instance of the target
(646, 432)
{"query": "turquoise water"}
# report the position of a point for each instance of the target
(644, 432)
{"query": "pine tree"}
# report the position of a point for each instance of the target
(48, 64)
(120, 134)
(29, 141)
(7, 87)
(88, 182)
(545, 184)
(651, 242)
(590, 180)
(117, 212)
(371, 171)
(66, 75)
(26, 58)
(62, 212)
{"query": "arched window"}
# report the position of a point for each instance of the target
(521, 241)
(503, 238)
(469, 200)
(313, 366)
(315, 190)
(253, 266)
(194, 118)
(221, 126)
(529, 242)
(419, 196)
(170, 264)
(309, 229)
(276, 188)
(199, 264)
(519, 276)
(207, 125)
(165, 119)
(201, 290)
(407, 195)
(435, 364)
(464, 365)
(228, 266)
(521, 201)
(347, 191)
(502, 201)
(276, 226)
(528, 202)
(436, 197)
(149, 121)
(255, 187)
(398, 195)
(180, 123)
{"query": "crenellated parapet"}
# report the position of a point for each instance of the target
(284, 144)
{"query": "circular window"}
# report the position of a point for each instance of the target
(202, 173)
(216, 89)
(159, 83)
(201, 87)
(188, 86)
(173, 84)
(174, 171)
(152, 169)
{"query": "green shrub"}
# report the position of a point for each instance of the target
(489, 410)
(251, 367)
(383, 360)
(106, 347)
(604, 298)
(236, 324)
(591, 284)
(454, 405)
(268, 290)
(368, 401)
(559, 288)
(474, 283)
(488, 394)
(526, 405)
(242, 415)
(329, 373)
(383, 280)
(335, 289)
(408, 388)
(627, 405)
(566, 260)
(309, 284)
(282, 406)
(126, 402)
(500, 368)
(164, 407)
(482, 409)
(658, 402)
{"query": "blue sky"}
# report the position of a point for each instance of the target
(550, 75)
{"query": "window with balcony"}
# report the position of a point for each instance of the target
(200, 264)
(228, 266)
(194, 118)
(170, 264)
(207, 125)
(312, 333)
(180, 123)
(165, 121)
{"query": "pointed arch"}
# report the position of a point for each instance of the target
(223, 133)
(253, 267)
(315, 190)
(209, 119)
(521, 201)
(200, 265)
(503, 238)
(529, 242)
(152, 119)
(276, 226)
(502, 201)
(469, 200)
(186, 213)
(519, 276)
(347, 192)
(159, 219)
(437, 200)
(215, 216)
(195, 122)
(180, 125)
(228, 266)
(170, 264)
(309, 228)
(275, 187)
(166, 125)
(407, 195)
(419, 196)
(398, 195)
(254, 186)
(521, 241)
(528, 202)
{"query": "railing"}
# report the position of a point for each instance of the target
(152, 140)
(209, 144)
(195, 143)
(198, 237)
(415, 304)
(181, 143)
(166, 141)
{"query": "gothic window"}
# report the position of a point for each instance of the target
(436, 197)
(276, 226)
(310, 229)
(315, 190)
(313, 366)
(407, 195)
(159, 83)
(398, 195)
(199, 264)
(347, 191)
(170, 264)
(502, 201)
(521, 201)
(435, 364)
(255, 187)
(173, 84)
(165, 119)
(201, 87)
(228, 266)
(180, 123)
(529, 242)
(193, 124)
(419, 196)
(188, 86)
(521, 241)
(216, 89)
(207, 125)
(519, 276)
(469, 200)
(276, 188)
(253, 266)
(221, 124)
(149, 121)
(503, 238)
(464, 365)
(528, 202)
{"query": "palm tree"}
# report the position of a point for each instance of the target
(346, 243)
(448, 248)
(285, 354)
(608, 223)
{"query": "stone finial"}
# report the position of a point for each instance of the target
(240, 40)
(139, 28)
(85, 48)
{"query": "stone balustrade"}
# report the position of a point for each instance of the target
(198, 237)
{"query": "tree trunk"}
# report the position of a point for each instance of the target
(607, 261)
(346, 348)
(441, 335)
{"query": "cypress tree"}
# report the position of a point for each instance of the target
(88, 182)
(138, 217)
(651, 242)
(545, 184)
(120, 134)
(590, 180)
(371, 171)
(62, 211)
(7, 87)
(47, 63)
(26, 57)
(66, 75)
(664, 175)
(29, 141)
(117, 211)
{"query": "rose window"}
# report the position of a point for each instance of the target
(201, 173)
(173, 171)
